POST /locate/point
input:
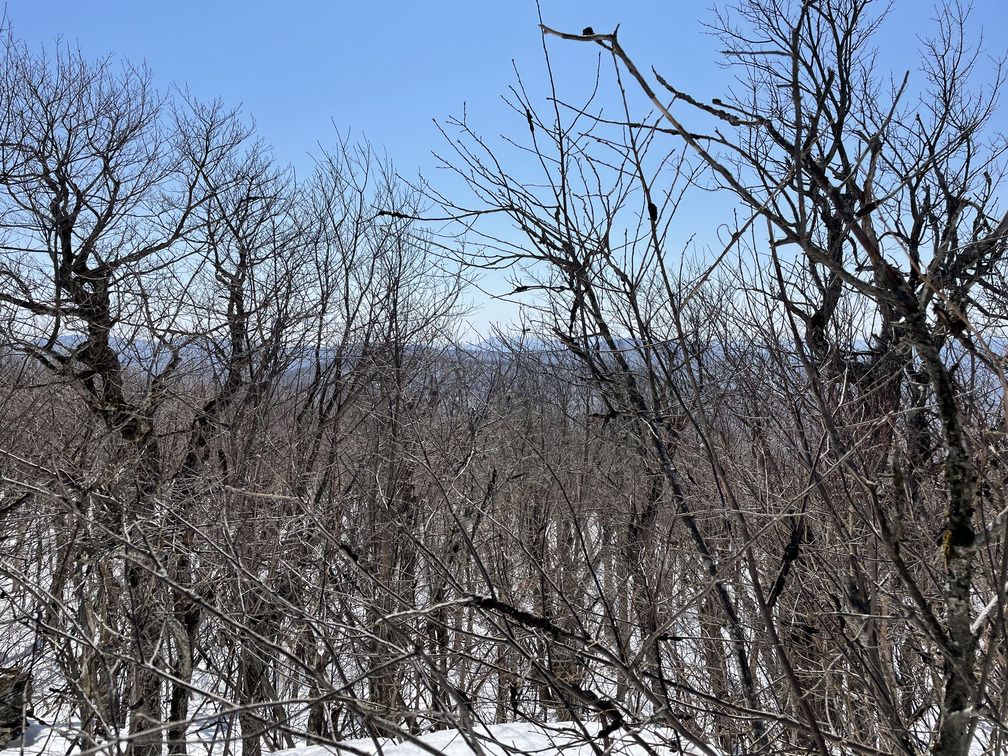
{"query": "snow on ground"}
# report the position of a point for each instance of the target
(41, 739)
(558, 739)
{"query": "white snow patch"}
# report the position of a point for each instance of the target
(558, 739)
(513, 739)
(43, 740)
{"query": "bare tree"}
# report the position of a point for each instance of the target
(103, 180)
(870, 357)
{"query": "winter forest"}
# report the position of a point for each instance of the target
(256, 493)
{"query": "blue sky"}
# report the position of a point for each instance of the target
(385, 70)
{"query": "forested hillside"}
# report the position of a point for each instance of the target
(256, 490)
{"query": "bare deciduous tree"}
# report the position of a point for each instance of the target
(870, 358)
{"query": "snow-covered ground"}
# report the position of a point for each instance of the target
(40, 739)
(559, 739)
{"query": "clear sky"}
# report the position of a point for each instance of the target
(386, 69)
(379, 68)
